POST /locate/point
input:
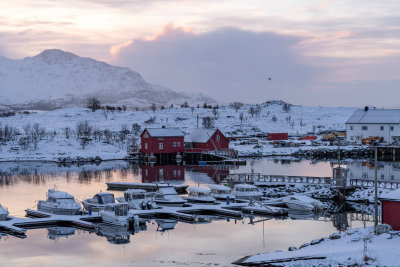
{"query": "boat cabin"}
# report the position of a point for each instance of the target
(119, 209)
(104, 198)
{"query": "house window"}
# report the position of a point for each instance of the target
(146, 135)
(178, 143)
(364, 128)
(217, 138)
(391, 128)
(174, 144)
(382, 128)
(382, 138)
(161, 146)
(351, 128)
(382, 176)
(145, 145)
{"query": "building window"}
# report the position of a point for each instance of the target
(382, 138)
(161, 146)
(174, 144)
(382, 128)
(351, 138)
(217, 138)
(382, 176)
(351, 128)
(391, 128)
(178, 143)
(146, 135)
(364, 128)
(145, 145)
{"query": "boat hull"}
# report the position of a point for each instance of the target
(58, 211)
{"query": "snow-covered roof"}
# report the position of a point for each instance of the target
(134, 191)
(198, 189)
(164, 132)
(200, 135)
(375, 116)
(219, 187)
(392, 195)
(104, 194)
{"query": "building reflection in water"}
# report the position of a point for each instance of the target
(151, 174)
(387, 171)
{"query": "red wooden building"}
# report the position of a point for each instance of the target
(207, 139)
(162, 141)
(277, 136)
(152, 174)
(391, 209)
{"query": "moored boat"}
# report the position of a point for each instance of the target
(3, 213)
(116, 214)
(98, 202)
(167, 196)
(59, 202)
(247, 191)
(222, 192)
(200, 195)
(138, 199)
(302, 203)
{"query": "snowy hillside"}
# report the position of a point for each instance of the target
(110, 143)
(55, 78)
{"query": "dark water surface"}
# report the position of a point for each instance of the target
(211, 244)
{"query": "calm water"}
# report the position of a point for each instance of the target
(217, 243)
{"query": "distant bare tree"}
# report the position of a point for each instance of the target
(301, 124)
(192, 109)
(93, 103)
(151, 120)
(274, 119)
(106, 112)
(215, 113)
(83, 129)
(241, 116)
(286, 107)
(124, 108)
(27, 129)
(107, 136)
(23, 142)
(136, 128)
(257, 110)
(292, 124)
(67, 131)
(252, 111)
(236, 106)
(208, 122)
(153, 107)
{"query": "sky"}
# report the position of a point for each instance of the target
(309, 52)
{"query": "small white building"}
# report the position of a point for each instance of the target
(364, 123)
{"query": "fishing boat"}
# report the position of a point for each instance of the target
(247, 191)
(116, 214)
(221, 192)
(138, 199)
(59, 202)
(255, 207)
(302, 203)
(200, 195)
(98, 202)
(167, 196)
(3, 213)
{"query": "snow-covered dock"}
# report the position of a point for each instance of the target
(122, 186)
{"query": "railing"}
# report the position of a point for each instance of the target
(371, 183)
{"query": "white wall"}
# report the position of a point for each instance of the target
(356, 134)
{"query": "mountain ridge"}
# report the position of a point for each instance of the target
(55, 79)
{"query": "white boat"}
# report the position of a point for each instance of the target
(167, 196)
(200, 195)
(256, 207)
(220, 191)
(247, 191)
(116, 214)
(98, 202)
(138, 199)
(59, 202)
(302, 203)
(3, 213)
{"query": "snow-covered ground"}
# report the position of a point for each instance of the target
(340, 249)
(54, 144)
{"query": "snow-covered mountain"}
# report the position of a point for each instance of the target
(56, 78)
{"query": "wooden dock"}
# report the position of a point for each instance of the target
(122, 186)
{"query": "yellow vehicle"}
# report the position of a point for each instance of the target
(333, 136)
(371, 140)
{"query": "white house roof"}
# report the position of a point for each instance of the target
(375, 116)
(164, 132)
(200, 135)
(392, 195)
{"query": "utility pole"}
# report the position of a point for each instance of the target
(197, 120)
(376, 187)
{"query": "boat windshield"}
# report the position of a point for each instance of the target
(105, 199)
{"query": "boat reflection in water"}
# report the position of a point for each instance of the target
(115, 235)
(55, 233)
(166, 225)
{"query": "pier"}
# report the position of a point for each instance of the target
(122, 186)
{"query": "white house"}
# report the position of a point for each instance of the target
(364, 123)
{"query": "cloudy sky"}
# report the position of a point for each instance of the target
(326, 52)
